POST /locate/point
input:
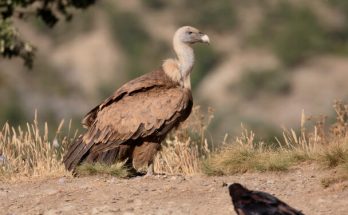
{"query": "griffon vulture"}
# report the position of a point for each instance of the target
(132, 123)
(248, 202)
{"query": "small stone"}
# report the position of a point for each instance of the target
(270, 182)
(2, 160)
(61, 180)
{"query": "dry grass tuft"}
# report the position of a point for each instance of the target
(335, 155)
(246, 155)
(117, 170)
(184, 149)
(329, 181)
(321, 143)
(28, 152)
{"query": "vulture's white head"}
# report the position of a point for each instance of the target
(180, 69)
(190, 35)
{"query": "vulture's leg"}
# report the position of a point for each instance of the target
(144, 154)
(150, 170)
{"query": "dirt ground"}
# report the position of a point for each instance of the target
(301, 188)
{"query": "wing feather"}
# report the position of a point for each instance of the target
(145, 114)
(142, 83)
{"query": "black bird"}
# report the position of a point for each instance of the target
(248, 202)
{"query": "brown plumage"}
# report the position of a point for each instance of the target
(248, 202)
(133, 122)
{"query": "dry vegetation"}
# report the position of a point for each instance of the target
(116, 169)
(185, 148)
(317, 142)
(29, 153)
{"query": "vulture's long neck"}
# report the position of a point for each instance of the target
(179, 70)
(186, 60)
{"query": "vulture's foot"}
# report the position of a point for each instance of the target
(132, 172)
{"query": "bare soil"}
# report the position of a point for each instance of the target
(300, 187)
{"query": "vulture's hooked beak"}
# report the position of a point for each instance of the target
(205, 39)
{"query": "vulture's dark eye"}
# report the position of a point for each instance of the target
(190, 32)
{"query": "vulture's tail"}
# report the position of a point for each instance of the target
(106, 157)
(79, 152)
(76, 153)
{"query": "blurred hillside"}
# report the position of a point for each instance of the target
(268, 59)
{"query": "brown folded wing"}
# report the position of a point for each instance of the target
(142, 83)
(148, 112)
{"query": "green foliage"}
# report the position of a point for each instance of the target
(11, 45)
(252, 83)
(49, 11)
